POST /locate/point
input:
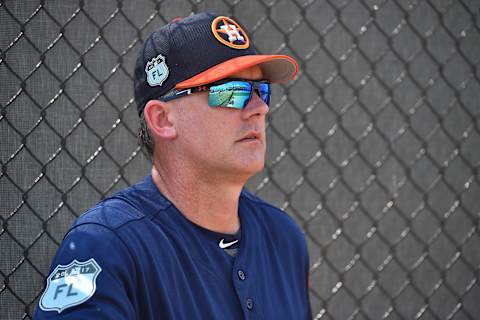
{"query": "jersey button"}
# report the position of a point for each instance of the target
(241, 275)
(249, 304)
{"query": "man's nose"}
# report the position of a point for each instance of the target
(255, 107)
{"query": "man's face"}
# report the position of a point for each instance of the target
(219, 140)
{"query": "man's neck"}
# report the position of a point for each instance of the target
(211, 204)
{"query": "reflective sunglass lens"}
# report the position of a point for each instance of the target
(233, 94)
(264, 89)
(236, 94)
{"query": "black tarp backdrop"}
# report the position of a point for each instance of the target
(373, 149)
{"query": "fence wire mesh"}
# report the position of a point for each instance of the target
(373, 149)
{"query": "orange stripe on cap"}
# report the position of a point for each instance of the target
(275, 68)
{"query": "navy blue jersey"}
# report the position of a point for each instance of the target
(135, 256)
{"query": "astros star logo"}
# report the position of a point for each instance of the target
(230, 33)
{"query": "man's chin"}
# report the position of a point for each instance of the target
(253, 168)
(243, 171)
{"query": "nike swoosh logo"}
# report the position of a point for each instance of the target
(224, 245)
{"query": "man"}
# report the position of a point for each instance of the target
(188, 242)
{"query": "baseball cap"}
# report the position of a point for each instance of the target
(198, 50)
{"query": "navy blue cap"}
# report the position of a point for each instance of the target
(197, 50)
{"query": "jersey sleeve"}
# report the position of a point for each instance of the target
(91, 277)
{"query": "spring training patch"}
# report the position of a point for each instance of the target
(70, 285)
(156, 70)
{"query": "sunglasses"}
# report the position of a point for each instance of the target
(230, 93)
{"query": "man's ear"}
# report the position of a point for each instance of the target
(159, 119)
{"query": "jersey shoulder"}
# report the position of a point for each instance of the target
(272, 215)
(278, 228)
(133, 203)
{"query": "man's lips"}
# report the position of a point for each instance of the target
(251, 136)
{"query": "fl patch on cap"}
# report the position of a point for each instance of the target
(156, 70)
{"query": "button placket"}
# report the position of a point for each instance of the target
(249, 304)
(241, 275)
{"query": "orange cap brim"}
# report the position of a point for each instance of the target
(275, 68)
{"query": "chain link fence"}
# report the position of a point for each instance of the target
(374, 149)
